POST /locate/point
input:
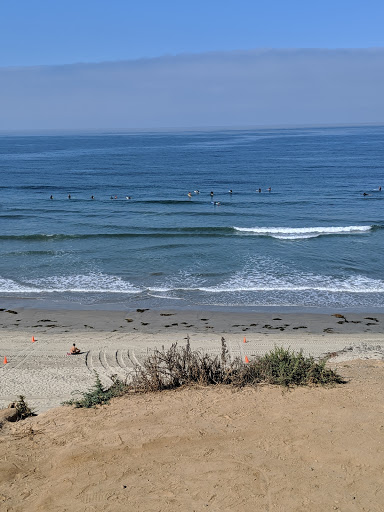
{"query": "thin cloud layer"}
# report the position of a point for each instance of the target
(260, 87)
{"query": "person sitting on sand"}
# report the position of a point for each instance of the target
(74, 350)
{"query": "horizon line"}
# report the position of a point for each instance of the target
(174, 129)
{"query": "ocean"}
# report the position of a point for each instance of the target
(313, 242)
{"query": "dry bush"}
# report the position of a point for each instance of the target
(181, 366)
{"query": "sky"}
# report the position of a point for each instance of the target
(126, 64)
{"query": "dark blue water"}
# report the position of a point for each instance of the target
(313, 241)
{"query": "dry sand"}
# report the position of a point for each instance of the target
(198, 449)
(263, 449)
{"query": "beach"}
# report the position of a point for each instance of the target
(114, 342)
(200, 448)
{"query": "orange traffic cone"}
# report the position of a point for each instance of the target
(245, 339)
(33, 339)
(5, 360)
(246, 359)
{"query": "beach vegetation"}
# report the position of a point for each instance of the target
(182, 366)
(177, 366)
(23, 410)
(285, 367)
(98, 394)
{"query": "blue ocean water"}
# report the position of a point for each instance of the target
(313, 241)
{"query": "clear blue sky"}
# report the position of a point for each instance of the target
(41, 32)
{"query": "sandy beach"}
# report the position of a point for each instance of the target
(113, 342)
(265, 449)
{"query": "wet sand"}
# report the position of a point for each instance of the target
(153, 321)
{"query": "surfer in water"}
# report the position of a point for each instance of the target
(189, 194)
(211, 194)
(51, 197)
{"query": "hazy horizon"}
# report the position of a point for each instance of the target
(250, 88)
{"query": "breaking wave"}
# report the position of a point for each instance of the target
(300, 233)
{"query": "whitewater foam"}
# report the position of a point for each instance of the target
(90, 283)
(257, 277)
(288, 233)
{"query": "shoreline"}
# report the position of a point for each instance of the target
(153, 321)
(54, 304)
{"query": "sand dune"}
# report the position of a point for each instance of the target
(216, 449)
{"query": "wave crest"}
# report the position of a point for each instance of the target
(289, 233)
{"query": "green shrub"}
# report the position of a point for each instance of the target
(286, 368)
(98, 395)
